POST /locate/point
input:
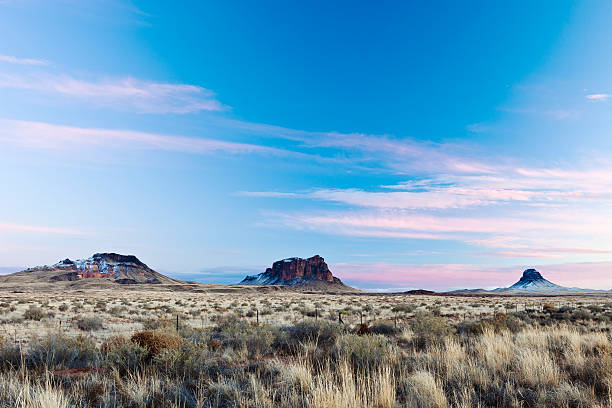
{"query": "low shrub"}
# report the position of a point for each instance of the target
(429, 329)
(239, 334)
(364, 352)
(404, 308)
(188, 361)
(498, 323)
(384, 328)
(581, 314)
(10, 356)
(363, 329)
(33, 313)
(112, 343)
(58, 351)
(127, 357)
(322, 332)
(89, 323)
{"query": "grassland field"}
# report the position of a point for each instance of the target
(266, 348)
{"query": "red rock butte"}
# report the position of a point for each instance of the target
(293, 268)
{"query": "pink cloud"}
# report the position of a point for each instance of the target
(401, 155)
(591, 275)
(125, 93)
(47, 136)
(400, 221)
(598, 97)
(22, 61)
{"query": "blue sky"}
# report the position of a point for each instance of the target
(412, 144)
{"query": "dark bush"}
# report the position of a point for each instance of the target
(499, 322)
(383, 328)
(582, 314)
(363, 329)
(33, 313)
(89, 323)
(404, 308)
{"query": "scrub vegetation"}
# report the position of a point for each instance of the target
(304, 350)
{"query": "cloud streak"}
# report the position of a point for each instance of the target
(506, 185)
(40, 135)
(22, 61)
(121, 93)
(512, 212)
(599, 97)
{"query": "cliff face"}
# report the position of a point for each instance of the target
(293, 268)
(294, 271)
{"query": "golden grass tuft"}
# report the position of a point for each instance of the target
(155, 341)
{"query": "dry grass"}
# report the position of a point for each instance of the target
(222, 358)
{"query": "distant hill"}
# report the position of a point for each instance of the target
(311, 273)
(531, 283)
(101, 267)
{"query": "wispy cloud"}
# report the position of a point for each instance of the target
(499, 186)
(513, 212)
(22, 61)
(598, 97)
(401, 155)
(121, 93)
(42, 135)
(378, 153)
(37, 228)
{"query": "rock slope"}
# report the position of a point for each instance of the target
(116, 268)
(532, 280)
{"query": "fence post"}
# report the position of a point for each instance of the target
(177, 322)
(316, 314)
(257, 315)
(340, 317)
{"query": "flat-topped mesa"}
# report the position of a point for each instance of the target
(294, 268)
(295, 271)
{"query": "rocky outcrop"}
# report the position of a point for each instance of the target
(294, 271)
(293, 268)
(122, 269)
